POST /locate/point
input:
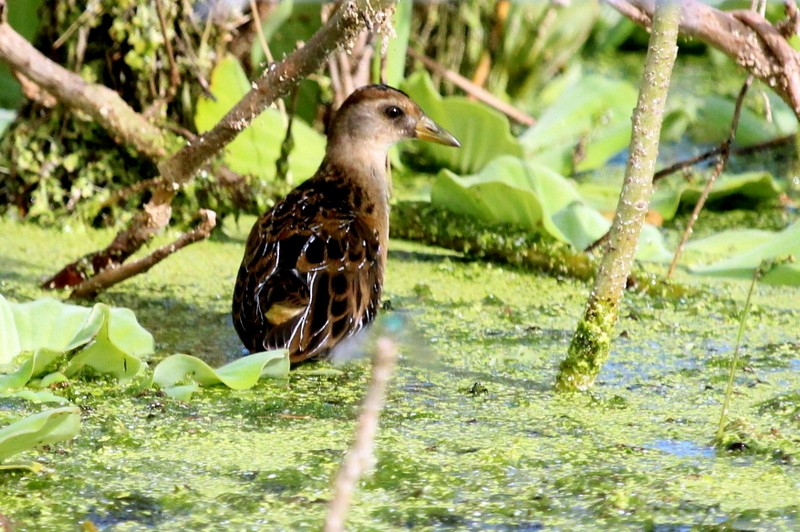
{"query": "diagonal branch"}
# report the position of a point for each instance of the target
(745, 36)
(126, 126)
(278, 80)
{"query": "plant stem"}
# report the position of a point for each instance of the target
(735, 361)
(591, 343)
(360, 457)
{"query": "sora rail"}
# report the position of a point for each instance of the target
(312, 272)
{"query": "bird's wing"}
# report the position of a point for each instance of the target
(309, 278)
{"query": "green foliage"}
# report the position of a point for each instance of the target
(257, 148)
(398, 45)
(587, 125)
(44, 332)
(707, 120)
(739, 253)
(532, 197)
(46, 342)
(237, 375)
(51, 340)
(671, 195)
(470, 122)
(44, 428)
(539, 39)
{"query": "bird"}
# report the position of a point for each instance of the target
(313, 266)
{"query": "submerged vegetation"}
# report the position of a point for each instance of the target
(140, 412)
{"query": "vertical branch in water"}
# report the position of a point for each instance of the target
(360, 457)
(591, 343)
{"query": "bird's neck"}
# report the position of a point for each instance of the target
(365, 166)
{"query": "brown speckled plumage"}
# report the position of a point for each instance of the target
(312, 272)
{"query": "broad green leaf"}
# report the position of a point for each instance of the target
(592, 116)
(483, 132)
(671, 194)
(9, 339)
(105, 355)
(744, 261)
(47, 427)
(534, 197)
(173, 372)
(110, 340)
(258, 146)
(36, 363)
(714, 117)
(511, 191)
(398, 45)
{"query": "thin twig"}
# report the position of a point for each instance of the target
(722, 161)
(474, 90)
(735, 359)
(713, 152)
(111, 276)
(174, 73)
(262, 39)
(686, 163)
(360, 458)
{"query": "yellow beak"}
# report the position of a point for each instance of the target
(429, 130)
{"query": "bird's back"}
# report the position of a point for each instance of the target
(312, 270)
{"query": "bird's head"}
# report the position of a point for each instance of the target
(378, 116)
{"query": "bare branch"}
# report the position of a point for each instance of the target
(745, 36)
(472, 89)
(112, 276)
(360, 458)
(725, 152)
(125, 125)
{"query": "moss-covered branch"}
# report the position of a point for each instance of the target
(592, 340)
(423, 222)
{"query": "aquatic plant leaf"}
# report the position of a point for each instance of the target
(172, 373)
(36, 396)
(670, 195)
(50, 426)
(257, 147)
(111, 339)
(31, 366)
(533, 197)
(9, 339)
(398, 45)
(751, 248)
(105, 355)
(713, 118)
(592, 116)
(484, 133)
(512, 191)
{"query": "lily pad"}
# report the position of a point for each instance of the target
(256, 149)
(50, 426)
(591, 116)
(484, 133)
(181, 375)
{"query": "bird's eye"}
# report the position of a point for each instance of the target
(393, 112)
